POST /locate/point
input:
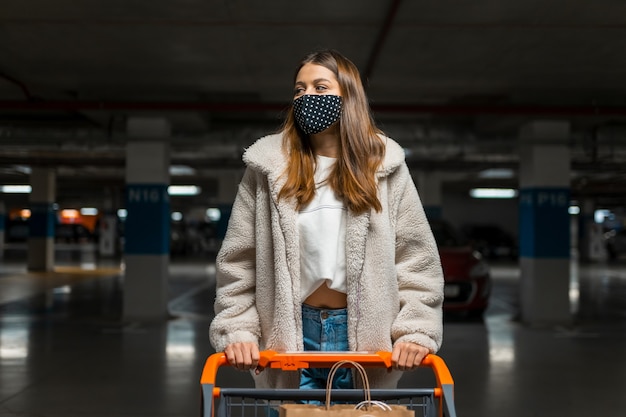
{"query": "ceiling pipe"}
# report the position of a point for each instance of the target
(20, 84)
(510, 109)
(139, 105)
(380, 39)
(536, 110)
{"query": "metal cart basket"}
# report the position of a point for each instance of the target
(235, 402)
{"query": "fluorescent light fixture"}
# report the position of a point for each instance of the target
(493, 193)
(213, 214)
(496, 173)
(66, 289)
(89, 211)
(573, 210)
(24, 169)
(601, 215)
(177, 170)
(15, 189)
(183, 190)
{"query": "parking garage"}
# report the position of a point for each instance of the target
(122, 131)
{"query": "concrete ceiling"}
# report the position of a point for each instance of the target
(453, 81)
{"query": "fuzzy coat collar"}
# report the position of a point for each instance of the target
(267, 155)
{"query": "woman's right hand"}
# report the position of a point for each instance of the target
(243, 356)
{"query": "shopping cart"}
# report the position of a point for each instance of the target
(250, 402)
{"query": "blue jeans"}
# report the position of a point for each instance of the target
(325, 330)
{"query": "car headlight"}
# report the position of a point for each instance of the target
(481, 269)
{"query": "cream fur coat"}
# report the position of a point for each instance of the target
(394, 275)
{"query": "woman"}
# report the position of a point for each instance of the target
(328, 247)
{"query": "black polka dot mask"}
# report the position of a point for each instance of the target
(316, 112)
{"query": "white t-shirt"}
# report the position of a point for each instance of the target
(322, 228)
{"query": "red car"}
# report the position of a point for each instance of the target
(467, 276)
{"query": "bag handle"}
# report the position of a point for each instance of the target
(366, 384)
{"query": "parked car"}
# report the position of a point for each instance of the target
(492, 241)
(17, 231)
(467, 276)
(73, 233)
(615, 243)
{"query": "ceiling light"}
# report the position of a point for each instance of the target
(15, 189)
(601, 215)
(213, 214)
(493, 193)
(182, 190)
(24, 169)
(496, 173)
(178, 170)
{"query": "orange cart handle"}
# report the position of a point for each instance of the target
(292, 361)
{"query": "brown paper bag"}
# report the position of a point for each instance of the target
(367, 408)
(342, 410)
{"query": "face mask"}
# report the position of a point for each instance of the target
(315, 113)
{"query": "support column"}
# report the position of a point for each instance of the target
(147, 225)
(42, 220)
(107, 229)
(545, 223)
(429, 188)
(2, 228)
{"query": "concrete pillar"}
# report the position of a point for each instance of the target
(545, 223)
(2, 228)
(585, 218)
(42, 220)
(429, 188)
(107, 229)
(147, 225)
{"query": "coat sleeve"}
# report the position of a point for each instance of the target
(419, 271)
(236, 318)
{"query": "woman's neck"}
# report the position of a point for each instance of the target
(326, 143)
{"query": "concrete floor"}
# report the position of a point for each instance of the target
(64, 351)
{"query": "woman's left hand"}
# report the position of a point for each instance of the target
(407, 356)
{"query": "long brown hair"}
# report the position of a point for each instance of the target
(353, 177)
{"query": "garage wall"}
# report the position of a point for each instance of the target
(459, 209)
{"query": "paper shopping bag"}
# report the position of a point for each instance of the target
(342, 410)
(367, 408)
